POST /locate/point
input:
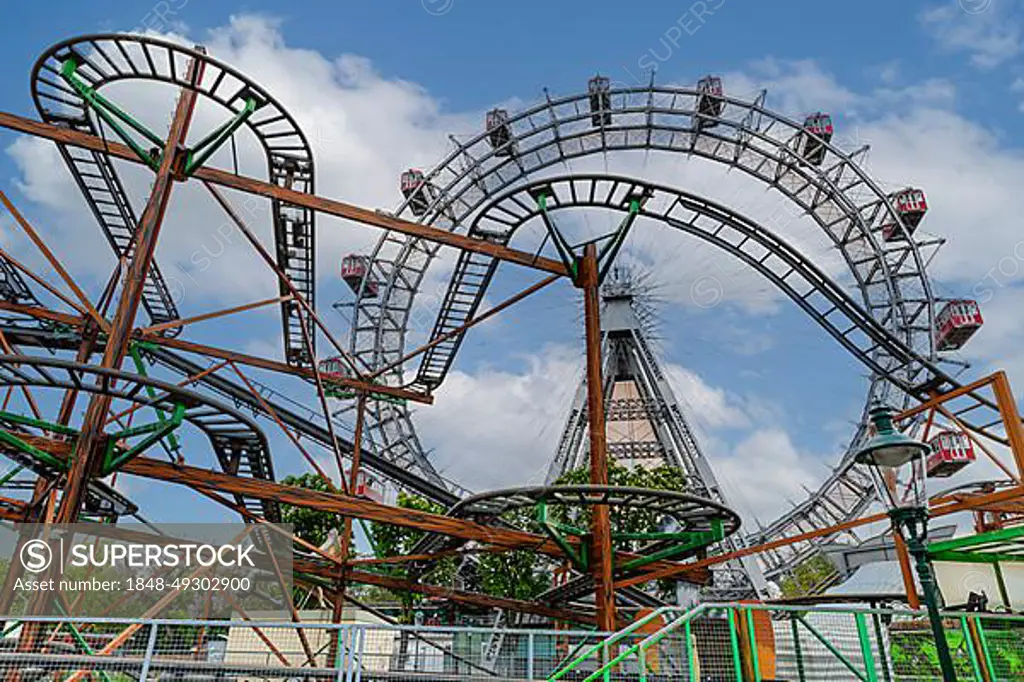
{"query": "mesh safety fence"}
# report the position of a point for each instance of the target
(711, 643)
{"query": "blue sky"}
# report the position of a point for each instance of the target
(934, 86)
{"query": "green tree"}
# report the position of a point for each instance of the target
(624, 519)
(808, 577)
(389, 540)
(312, 525)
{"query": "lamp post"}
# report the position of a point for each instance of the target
(884, 455)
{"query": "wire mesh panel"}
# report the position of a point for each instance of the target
(711, 643)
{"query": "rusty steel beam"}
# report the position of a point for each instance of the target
(272, 191)
(174, 324)
(344, 505)
(1011, 417)
(90, 443)
(273, 365)
(461, 596)
(600, 524)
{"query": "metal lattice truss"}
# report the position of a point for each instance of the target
(482, 190)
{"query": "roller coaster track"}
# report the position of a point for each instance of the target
(109, 58)
(239, 444)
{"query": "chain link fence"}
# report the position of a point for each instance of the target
(712, 643)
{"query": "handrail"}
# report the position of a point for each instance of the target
(687, 616)
(651, 639)
(614, 639)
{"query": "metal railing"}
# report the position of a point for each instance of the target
(761, 642)
(116, 650)
(712, 642)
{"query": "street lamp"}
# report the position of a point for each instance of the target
(884, 455)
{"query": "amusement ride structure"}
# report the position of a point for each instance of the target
(513, 175)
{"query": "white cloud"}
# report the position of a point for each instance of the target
(493, 428)
(764, 472)
(991, 36)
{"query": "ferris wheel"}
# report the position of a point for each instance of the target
(890, 319)
(515, 171)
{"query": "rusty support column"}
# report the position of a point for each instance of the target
(90, 443)
(601, 547)
(1011, 418)
(346, 533)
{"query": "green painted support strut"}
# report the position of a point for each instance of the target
(172, 446)
(687, 540)
(14, 418)
(753, 645)
(11, 474)
(737, 663)
(554, 531)
(77, 636)
(569, 259)
(206, 147)
(610, 250)
(972, 654)
(832, 649)
(691, 653)
(114, 459)
(865, 647)
(797, 653)
(32, 451)
(113, 115)
(880, 642)
(985, 651)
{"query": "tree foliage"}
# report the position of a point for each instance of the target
(312, 525)
(520, 574)
(624, 519)
(389, 540)
(807, 576)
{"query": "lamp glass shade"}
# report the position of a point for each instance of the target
(887, 455)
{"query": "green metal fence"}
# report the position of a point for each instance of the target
(754, 642)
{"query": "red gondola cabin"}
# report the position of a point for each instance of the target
(499, 132)
(414, 188)
(816, 134)
(956, 323)
(709, 102)
(333, 368)
(599, 90)
(354, 269)
(951, 452)
(911, 205)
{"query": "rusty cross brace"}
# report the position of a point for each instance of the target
(333, 207)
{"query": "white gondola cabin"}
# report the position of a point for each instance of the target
(951, 452)
(817, 133)
(599, 89)
(416, 190)
(710, 103)
(499, 132)
(354, 269)
(911, 205)
(956, 323)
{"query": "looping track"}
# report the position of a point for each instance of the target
(110, 58)
(239, 444)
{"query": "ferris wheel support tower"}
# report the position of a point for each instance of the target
(646, 425)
